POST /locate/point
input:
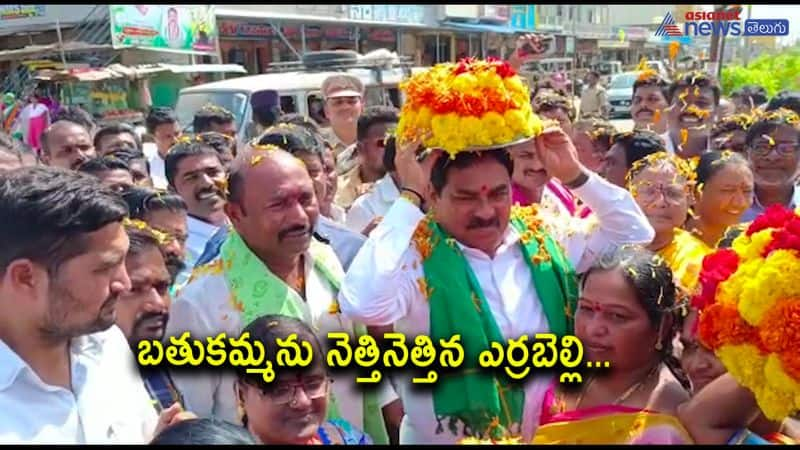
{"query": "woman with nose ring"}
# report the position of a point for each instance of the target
(293, 408)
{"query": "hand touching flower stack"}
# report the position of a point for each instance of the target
(471, 104)
(750, 310)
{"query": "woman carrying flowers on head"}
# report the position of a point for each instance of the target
(626, 315)
(748, 317)
(433, 274)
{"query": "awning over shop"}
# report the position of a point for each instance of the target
(481, 27)
(53, 49)
(116, 71)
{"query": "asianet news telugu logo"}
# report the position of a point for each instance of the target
(728, 23)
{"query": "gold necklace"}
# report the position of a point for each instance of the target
(625, 395)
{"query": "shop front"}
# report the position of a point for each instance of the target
(258, 37)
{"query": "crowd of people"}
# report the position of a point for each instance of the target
(108, 240)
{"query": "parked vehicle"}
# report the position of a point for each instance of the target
(620, 94)
(298, 86)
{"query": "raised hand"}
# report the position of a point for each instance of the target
(414, 174)
(529, 47)
(558, 154)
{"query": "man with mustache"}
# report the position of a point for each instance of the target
(143, 311)
(269, 263)
(68, 375)
(195, 172)
(66, 144)
(649, 103)
(468, 268)
(694, 98)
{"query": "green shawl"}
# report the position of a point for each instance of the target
(474, 395)
(260, 292)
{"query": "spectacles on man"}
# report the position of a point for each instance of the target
(784, 149)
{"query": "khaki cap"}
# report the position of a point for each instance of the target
(342, 86)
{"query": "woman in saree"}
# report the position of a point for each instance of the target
(724, 193)
(662, 185)
(292, 409)
(626, 316)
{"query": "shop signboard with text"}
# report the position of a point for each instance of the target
(12, 12)
(405, 14)
(180, 28)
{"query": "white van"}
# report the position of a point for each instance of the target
(297, 85)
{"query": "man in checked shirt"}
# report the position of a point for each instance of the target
(143, 311)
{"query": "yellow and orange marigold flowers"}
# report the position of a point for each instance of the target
(474, 103)
(750, 310)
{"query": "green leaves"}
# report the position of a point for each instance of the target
(773, 72)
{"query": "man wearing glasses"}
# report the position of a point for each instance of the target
(372, 127)
(772, 144)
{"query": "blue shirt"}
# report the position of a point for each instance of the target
(345, 243)
(757, 209)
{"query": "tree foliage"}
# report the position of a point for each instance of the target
(773, 72)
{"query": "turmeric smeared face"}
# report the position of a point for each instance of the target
(692, 109)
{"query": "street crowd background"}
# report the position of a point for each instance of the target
(351, 221)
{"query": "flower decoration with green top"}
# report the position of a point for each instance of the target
(468, 106)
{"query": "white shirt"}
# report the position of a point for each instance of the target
(381, 287)
(668, 143)
(205, 308)
(108, 403)
(157, 171)
(337, 213)
(372, 204)
(199, 232)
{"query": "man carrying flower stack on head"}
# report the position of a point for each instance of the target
(474, 265)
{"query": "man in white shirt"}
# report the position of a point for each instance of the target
(269, 263)
(370, 207)
(67, 375)
(163, 126)
(387, 284)
(195, 171)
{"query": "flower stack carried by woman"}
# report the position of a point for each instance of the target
(750, 310)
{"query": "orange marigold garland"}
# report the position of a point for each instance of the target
(468, 105)
(757, 336)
